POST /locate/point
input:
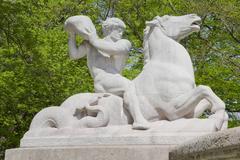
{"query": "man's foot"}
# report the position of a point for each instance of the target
(141, 126)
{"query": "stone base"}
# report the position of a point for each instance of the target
(109, 143)
(130, 152)
(160, 133)
(138, 146)
(216, 146)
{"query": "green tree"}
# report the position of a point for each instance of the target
(35, 71)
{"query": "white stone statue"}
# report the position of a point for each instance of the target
(166, 86)
(164, 90)
(106, 58)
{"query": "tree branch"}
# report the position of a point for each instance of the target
(230, 31)
(172, 6)
(109, 9)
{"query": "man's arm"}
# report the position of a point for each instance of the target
(122, 46)
(74, 52)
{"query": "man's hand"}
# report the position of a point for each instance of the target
(86, 33)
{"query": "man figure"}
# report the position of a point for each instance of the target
(106, 58)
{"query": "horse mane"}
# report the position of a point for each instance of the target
(146, 34)
(145, 44)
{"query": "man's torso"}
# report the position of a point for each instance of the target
(99, 63)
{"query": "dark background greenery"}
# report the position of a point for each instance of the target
(35, 71)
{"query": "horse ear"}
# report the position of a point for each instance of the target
(156, 20)
(151, 23)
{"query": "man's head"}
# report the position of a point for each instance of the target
(113, 27)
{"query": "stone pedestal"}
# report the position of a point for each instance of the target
(122, 152)
(223, 145)
(160, 133)
(140, 146)
(109, 143)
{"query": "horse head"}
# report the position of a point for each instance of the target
(176, 27)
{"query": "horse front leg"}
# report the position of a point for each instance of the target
(192, 102)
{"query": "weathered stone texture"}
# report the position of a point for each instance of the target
(140, 152)
(217, 146)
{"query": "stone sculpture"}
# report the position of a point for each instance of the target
(164, 90)
(106, 59)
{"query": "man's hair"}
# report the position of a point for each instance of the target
(112, 23)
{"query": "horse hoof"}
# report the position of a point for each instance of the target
(140, 126)
(219, 117)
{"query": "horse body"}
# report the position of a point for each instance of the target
(167, 75)
(166, 87)
(169, 72)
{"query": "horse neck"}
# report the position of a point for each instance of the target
(162, 49)
(161, 46)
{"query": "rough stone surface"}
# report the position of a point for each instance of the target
(217, 146)
(162, 132)
(140, 152)
(223, 145)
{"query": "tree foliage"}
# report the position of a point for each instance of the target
(35, 71)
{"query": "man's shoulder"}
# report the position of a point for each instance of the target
(125, 42)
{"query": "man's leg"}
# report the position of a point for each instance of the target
(121, 86)
(132, 103)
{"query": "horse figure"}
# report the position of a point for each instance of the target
(165, 88)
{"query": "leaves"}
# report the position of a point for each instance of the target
(35, 71)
